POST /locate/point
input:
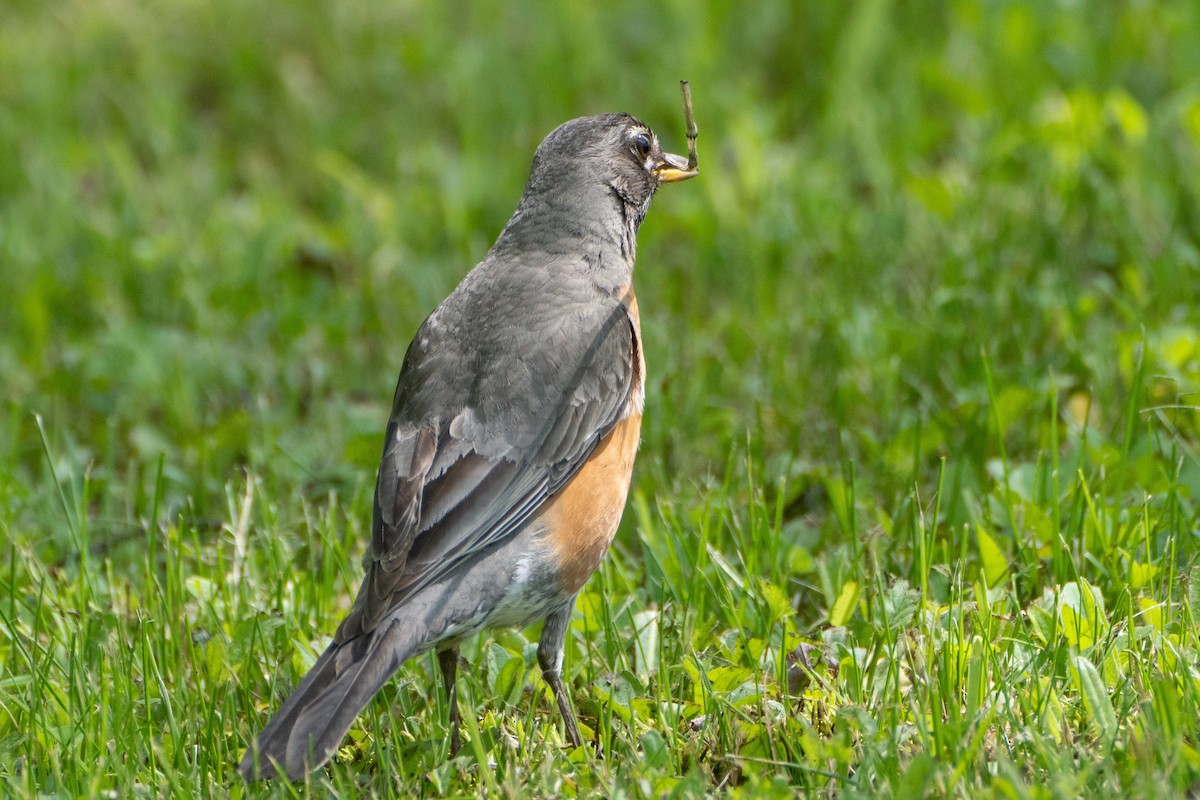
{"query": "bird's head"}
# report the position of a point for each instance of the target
(614, 152)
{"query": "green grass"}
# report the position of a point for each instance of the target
(924, 352)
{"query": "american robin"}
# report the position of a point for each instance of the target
(511, 441)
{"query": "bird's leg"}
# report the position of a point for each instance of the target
(550, 657)
(448, 661)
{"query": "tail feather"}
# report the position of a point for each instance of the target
(310, 724)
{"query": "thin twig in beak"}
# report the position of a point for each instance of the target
(685, 88)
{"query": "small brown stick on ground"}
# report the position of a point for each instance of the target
(693, 160)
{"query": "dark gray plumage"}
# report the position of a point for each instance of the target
(505, 392)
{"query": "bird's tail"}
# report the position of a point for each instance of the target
(314, 719)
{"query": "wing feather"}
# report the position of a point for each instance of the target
(452, 485)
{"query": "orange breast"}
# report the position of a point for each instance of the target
(582, 520)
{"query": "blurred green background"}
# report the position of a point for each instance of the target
(222, 222)
(933, 244)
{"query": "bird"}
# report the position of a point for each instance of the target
(510, 445)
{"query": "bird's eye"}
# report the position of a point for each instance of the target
(641, 145)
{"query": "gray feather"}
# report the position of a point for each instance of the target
(307, 728)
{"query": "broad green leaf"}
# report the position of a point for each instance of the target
(1042, 622)
(975, 678)
(749, 692)
(726, 679)
(755, 648)
(1115, 667)
(216, 658)
(845, 604)
(1164, 711)
(496, 657)
(618, 693)
(1081, 612)
(1151, 613)
(511, 680)
(1052, 710)
(995, 564)
(1168, 660)
(777, 600)
(200, 588)
(1140, 575)
(1095, 697)
(799, 561)
(839, 500)
(1071, 628)
(654, 750)
(899, 605)
(645, 654)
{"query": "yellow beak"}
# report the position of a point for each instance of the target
(675, 168)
